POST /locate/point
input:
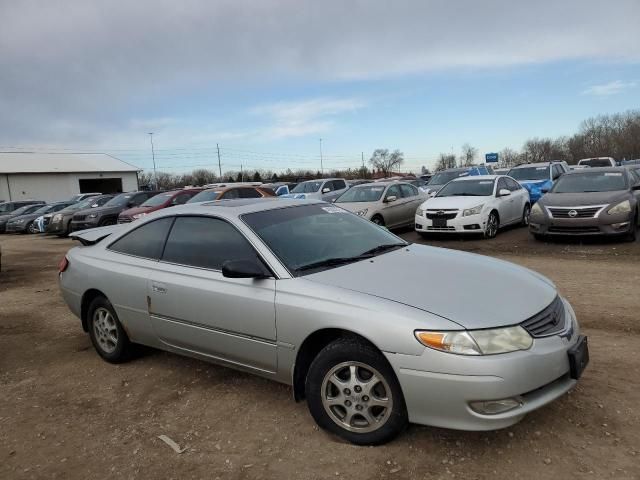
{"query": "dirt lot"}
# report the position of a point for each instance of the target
(64, 413)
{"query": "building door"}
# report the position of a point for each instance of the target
(102, 185)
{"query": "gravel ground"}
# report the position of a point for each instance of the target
(64, 413)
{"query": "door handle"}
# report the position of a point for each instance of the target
(158, 287)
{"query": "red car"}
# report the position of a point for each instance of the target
(162, 200)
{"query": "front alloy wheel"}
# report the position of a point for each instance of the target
(353, 392)
(526, 213)
(32, 228)
(491, 229)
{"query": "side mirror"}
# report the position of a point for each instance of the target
(504, 192)
(544, 190)
(243, 269)
(131, 204)
(390, 198)
(636, 187)
(326, 190)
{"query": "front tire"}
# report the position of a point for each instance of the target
(106, 333)
(32, 228)
(378, 220)
(525, 215)
(353, 392)
(107, 222)
(493, 224)
(633, 229)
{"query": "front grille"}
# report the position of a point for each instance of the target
(577, 212)
(442, 214)
(124, 219)
(79, 218)
(574, 230)
(550, 321)
(441, 229)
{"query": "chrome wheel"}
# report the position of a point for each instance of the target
(491, 230)
(32, 228)
(356, 397)
(105, 330)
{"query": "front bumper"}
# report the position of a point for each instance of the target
(84, 224)
(604, 224)
(438, 387)
(58, 227)
(459, 224)
(16, 227)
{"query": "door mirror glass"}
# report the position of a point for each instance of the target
(503, 192)
(242, 269)
(390, 198)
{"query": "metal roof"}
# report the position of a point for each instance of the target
(36, 162)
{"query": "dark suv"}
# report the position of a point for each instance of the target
(108, 213)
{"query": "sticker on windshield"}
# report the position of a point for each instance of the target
(485, 182)
(376, 189)
(333, 210)
(541, 168)
(612, 174)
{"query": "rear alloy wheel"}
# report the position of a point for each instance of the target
(107, 335)
(491, 229)
(378, 220)
(32, 228)
(525, 215)
(352, 392)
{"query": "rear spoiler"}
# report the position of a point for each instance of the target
(94, 235)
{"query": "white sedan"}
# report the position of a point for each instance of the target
(475, 204)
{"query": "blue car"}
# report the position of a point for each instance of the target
(538, 178)
(440, 179)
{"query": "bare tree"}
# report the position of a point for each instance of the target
(386, 162)
(445, 161)
(468, 156)
(508, 158)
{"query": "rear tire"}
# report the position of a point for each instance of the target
(107, 222)
(106, 333)
(353, 392)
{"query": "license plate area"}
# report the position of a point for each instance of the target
(579, 357)
(439, 222)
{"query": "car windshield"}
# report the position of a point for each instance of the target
(467, 188)
(119, 200)
(530, 173)
(311, 238)
(369, 193)
(82, 204)
(205, 196)
(445, 177)
(22, 210)
(158, 200)
(596, 162)
(590, 182)
(307, 187)
(43, 210)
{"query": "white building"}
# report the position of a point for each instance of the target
(58, 176)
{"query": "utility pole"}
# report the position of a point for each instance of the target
(321, 167)
(362, 155)
(219, 164)
(153, 157)
(241, 174)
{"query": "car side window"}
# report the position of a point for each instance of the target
(230, 194)
(180, 199)
(145, 241)
(328, 185)
(407, 191)
(557, 171)
(393, 191)
(512, 184)
(206, 242)
(502, 184)
(339, 184)
(137, 200)
(249, 193)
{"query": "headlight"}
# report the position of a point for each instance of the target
(57, 217)
(622, 207)
(536, 209)
(477, 342)
(19, 221)
(420, 211)
(93, 215)
(362, 213)
(473, 211)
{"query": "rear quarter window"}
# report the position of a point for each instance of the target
(146, 241)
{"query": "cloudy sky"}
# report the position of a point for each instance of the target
(267, 79)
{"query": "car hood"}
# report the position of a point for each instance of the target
(301, 195)
(437, 203)
(101, 210)
(579, 199)
(472, 290)
(130, 212)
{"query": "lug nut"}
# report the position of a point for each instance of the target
(347, 403)
(347, 391)
(365, 398)
(358, 407)
(358, 388)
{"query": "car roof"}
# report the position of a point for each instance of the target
(236, 207)
(477, 177)
(537, 164)
(583, 171)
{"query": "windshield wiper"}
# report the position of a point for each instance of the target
(337, 261)
(380, 249)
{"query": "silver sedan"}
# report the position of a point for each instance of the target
(305, 293)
